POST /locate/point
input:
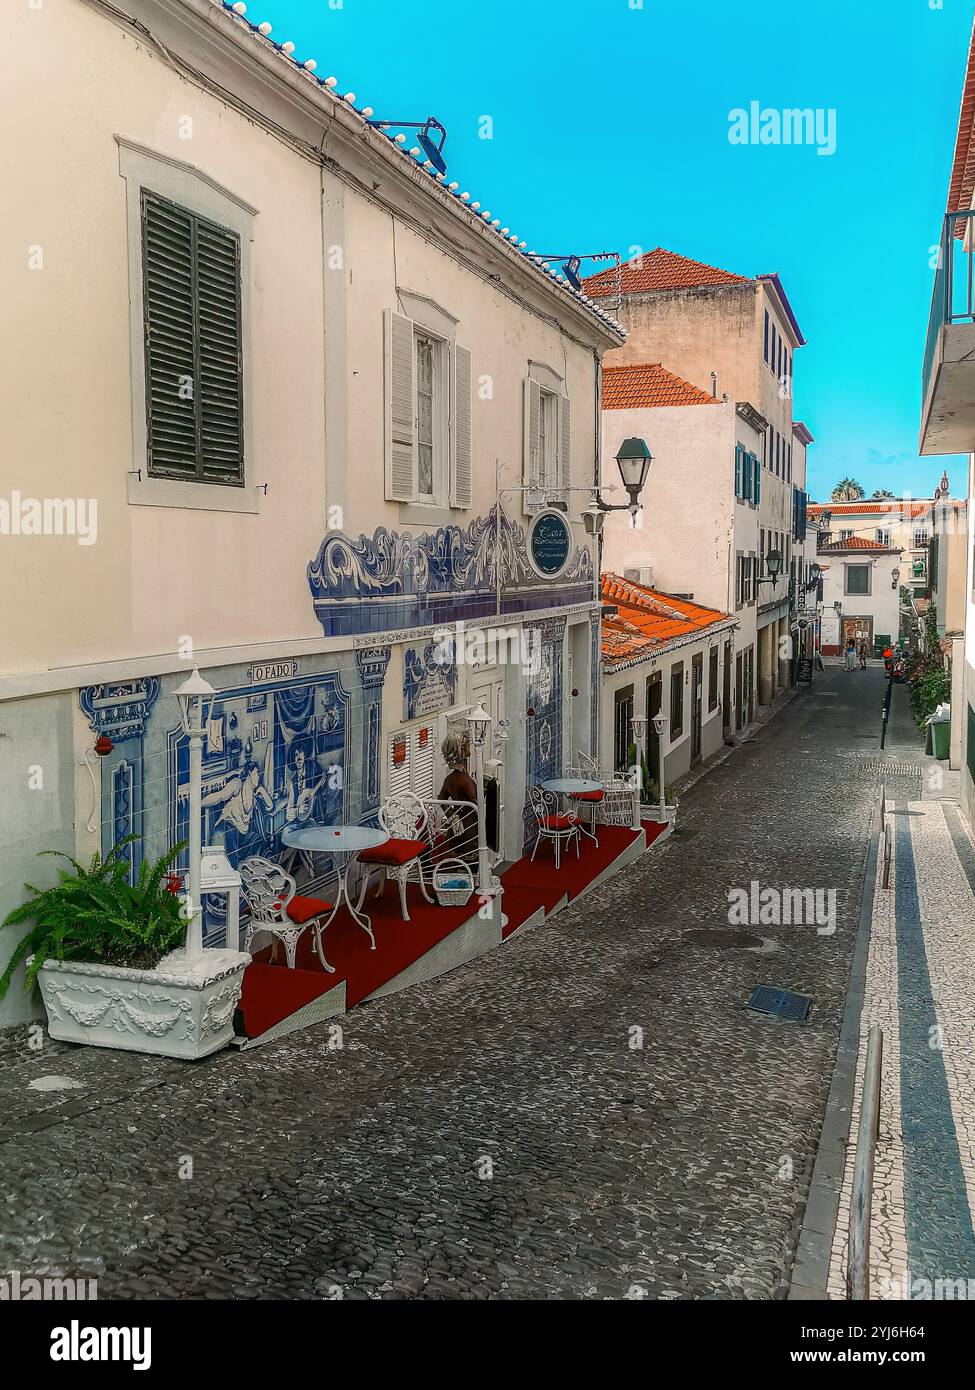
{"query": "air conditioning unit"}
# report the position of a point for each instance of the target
(644, 575)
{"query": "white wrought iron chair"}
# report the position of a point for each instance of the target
(401, 857)
(587, 770)
(553, 824)
(276, 907)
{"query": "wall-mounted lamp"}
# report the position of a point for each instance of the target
(633, 460)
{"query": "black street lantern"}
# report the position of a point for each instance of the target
(773, 563)
(633, 460)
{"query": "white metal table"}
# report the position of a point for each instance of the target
(343, 843)
(574, 786)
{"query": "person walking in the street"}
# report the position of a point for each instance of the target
(863, 653)
(851, 655)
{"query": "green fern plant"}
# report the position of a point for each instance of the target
(94, 914)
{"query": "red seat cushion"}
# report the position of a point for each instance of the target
(561, 822)
(587, 796)
(393, 852)
(302, 910)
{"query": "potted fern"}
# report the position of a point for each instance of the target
(106, 954)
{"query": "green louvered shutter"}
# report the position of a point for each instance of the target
(738, 470)
(194, 365)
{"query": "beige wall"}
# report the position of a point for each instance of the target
(158, 574)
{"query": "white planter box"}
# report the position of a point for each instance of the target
(653, 813)
(179, 1009)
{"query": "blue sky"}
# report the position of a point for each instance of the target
(610, 130)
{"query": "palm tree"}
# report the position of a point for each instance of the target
(847, 490)
(880, 494)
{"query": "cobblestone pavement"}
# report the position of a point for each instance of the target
(499, 1132)
(920, 986)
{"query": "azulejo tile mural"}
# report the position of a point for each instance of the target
(396, 580)
(286, 744)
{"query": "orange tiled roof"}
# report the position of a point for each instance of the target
(884, 507)
(962, 183)
(648, 384)
(647, 621)
(857, 543)
(659, 270)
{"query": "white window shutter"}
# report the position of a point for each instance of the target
(565, 443)
(401, 472)
(533, 432)
(461, 492)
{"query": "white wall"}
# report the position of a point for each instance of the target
(882, 604)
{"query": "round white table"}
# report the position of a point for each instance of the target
(343, 842)
(569, 786)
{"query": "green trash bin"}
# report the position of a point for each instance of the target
(941, 738)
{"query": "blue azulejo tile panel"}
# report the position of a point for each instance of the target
(395, 580)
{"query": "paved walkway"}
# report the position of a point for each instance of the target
(589, 1111)
(920, 989)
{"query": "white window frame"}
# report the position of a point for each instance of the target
(190, 188)
(441, 416)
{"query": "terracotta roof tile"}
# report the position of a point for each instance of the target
(647, 621)
(888, 506)
(856, 543)
(648, 384)
(659, 270)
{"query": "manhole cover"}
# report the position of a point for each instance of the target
(782, 1003)
(738, 940)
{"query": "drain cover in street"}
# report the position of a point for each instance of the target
(721, 937)
(783, 1003)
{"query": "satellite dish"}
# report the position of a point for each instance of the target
(433, 150)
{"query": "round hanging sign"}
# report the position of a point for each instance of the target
(550, 543)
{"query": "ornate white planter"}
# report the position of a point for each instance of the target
(180, 1009)
(653, 813)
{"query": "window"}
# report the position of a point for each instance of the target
(713, 679)
(766, 335)
(857, 579)
(882, 537)
(191, 269)
(410, 761)
(622, 716)
(789, 462)
(845, 535)
(774, 347)
(547, 439)
(676, 701)
(761, 548)
(921, 537)
(428, 413)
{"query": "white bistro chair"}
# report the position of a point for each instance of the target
(277, 908)
(553, 824)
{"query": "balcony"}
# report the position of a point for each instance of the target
(948, 378)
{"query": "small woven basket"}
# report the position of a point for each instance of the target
(453, 883)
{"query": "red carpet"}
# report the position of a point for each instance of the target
(548, 885)
(273, 992)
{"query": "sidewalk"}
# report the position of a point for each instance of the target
(920, 989)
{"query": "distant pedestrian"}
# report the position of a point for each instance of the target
(851, 655)
(863, 653)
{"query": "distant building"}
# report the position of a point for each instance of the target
(733, 337)
(663, 655)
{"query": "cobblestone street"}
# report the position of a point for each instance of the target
(500, 1132)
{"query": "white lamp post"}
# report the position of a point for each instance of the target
(191, 695)
(479, 722)
(661, 724)
(638, 725)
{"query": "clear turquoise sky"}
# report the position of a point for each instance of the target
(611, 131)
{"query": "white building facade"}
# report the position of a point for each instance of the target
(312, 409)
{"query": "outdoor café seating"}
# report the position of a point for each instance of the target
(278, 908)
